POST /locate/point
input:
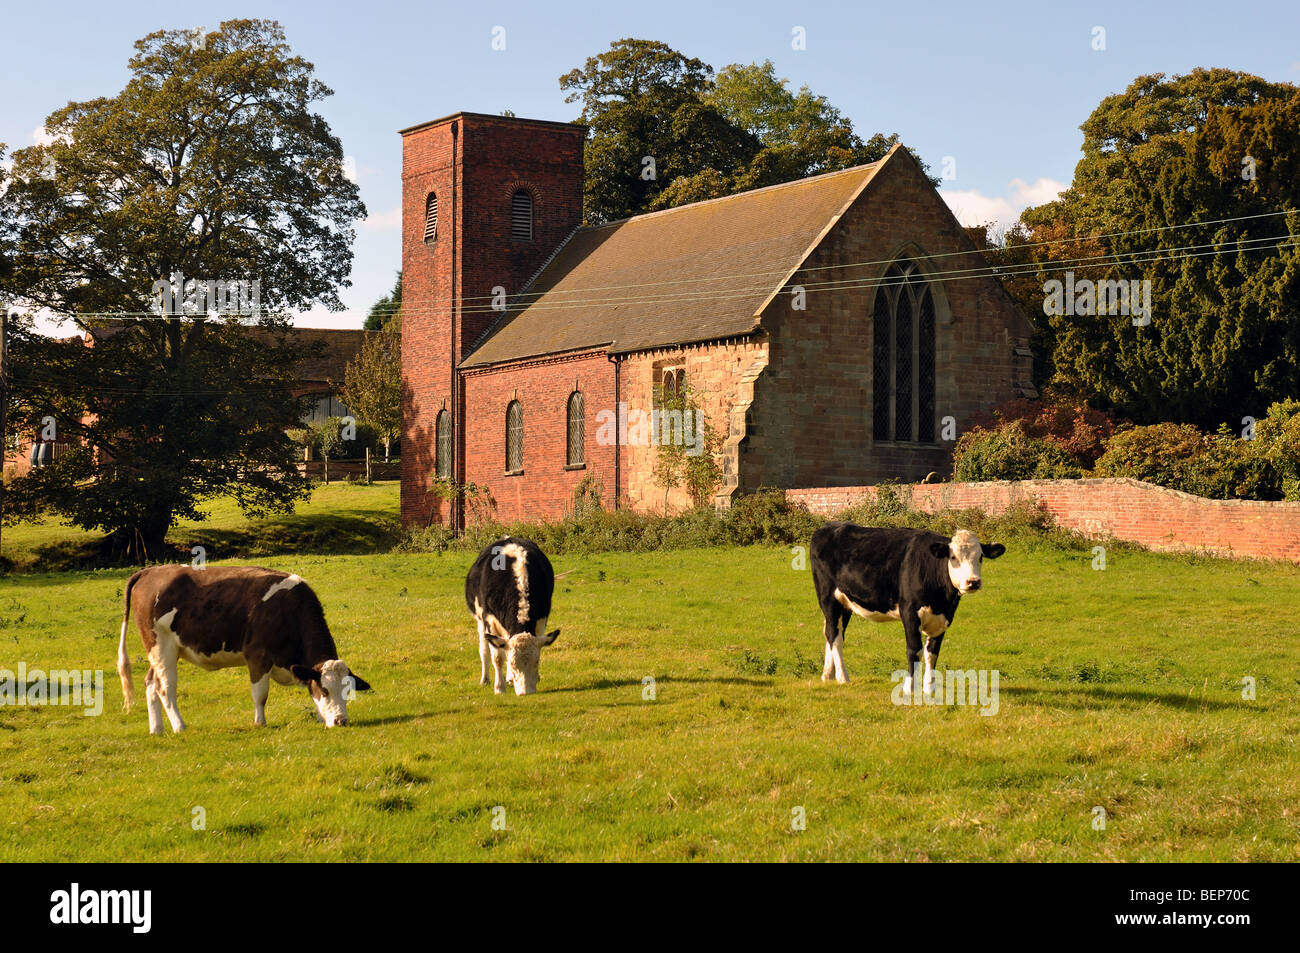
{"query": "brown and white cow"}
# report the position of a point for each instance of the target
(222, 617)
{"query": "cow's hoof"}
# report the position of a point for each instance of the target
(155, 731)
(483, 680)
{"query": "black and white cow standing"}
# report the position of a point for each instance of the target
(219, 617)
(881, 574)
(509, 590)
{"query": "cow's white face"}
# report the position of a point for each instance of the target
(523, 654)
(331, 685)
(965, 555)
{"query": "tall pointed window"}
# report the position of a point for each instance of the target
(443, 459)
(903, 357)
(431, 217)
(576, 455)
(514, 437)
(521, 216)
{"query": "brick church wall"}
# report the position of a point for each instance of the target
(545, 488)
(714, 375)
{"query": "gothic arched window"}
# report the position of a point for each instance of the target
(442, 463)
(903, 363)
(577, 415)
(514, 437)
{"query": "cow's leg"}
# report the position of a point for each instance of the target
(484, 652)
(932, 645)
(261, 689)
(169, 653)
(155, 703)
(912, 630)
(500, 659)
(837, 620)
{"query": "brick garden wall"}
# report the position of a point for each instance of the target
(1149, 515)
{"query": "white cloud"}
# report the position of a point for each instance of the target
(383, 221)
(40, 137)
(972, 207)
(1041, 191)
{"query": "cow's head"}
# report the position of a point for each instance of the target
(964, 553)
(331, 684)
(523, 653)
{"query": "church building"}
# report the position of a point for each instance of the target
(839, 330)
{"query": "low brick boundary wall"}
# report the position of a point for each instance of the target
(1143, 513)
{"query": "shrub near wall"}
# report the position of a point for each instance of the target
(766, 517)
(1179, 456)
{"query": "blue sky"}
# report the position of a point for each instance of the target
(1001, 88)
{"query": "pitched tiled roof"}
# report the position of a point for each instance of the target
(699, 272)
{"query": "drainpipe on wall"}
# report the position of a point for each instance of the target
(618, 448)
(456, 506)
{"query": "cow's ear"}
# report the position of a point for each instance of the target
(993, 550)
(550, 637)
(305, 673)
(941, 550)
(496, 641)
(358, 683)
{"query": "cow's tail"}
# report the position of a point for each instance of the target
(123, 659)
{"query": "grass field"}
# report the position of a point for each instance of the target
(1119, 689)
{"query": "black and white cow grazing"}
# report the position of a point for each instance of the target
(909, 575)
(509, 590)
(226, 616)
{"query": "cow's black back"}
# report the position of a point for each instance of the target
(493, 584)
(882, 569)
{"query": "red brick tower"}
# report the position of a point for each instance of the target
(485, 201)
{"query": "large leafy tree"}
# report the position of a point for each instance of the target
(643, 99)
(800, 133)
(1224, 335)
(707, 137)
(212, 165)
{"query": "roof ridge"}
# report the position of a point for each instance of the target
(736, 195)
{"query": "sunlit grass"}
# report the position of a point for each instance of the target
(1119, 689)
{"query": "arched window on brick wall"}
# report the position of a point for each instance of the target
(902, 360)
(514, 437)
(577, 421)
(443, 445)
(521, 216)
(431, 217)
